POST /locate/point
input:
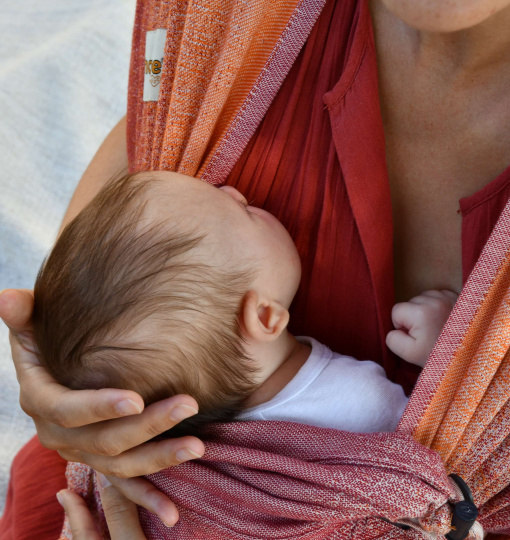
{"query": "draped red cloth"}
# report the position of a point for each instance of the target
(281, 480)
(302, 164)
(31, 509)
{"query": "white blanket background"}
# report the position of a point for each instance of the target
(63, 83)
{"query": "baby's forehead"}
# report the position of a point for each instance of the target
(180, 190)
(191, 204)
(191, 200)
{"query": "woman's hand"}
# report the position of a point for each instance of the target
(121, 514)
(104, 428)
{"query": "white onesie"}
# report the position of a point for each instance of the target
(335, 391)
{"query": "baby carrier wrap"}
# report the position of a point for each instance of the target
(279, 480)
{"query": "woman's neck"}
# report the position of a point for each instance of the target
(458, 55)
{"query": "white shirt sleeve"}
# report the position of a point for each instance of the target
(336, 391)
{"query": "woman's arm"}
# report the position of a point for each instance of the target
(110, 159)
(104, 428)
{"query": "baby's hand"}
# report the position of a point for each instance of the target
(418, 324)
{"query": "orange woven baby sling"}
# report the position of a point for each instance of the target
(220, 65)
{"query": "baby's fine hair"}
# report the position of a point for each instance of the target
(122, 303)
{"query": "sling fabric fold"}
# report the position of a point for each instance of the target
(259, 480)
(224, 61)
(262, 480)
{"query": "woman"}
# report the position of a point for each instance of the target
(429, 92)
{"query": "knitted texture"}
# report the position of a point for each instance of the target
(282, 480)
(224, 61)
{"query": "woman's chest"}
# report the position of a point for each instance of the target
(429, 176)
(440, 148)
(447, 138)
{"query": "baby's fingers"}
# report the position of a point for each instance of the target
(402, 344)
(404, 315)
(442, 295)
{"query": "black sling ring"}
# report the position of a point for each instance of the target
(464, 512)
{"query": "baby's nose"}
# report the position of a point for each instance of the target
(237, 195)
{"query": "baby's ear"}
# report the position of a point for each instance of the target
(261, 319)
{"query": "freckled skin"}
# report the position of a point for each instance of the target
(444, 15)
(443, 68)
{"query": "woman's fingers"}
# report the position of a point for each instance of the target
(145, 459)
(85, 425)
(112, 437)
(40, 395)
(79, 516)
(144, 493)
(74, 408)
(121, 514)
(16, 306)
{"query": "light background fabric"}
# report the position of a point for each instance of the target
(63, 86)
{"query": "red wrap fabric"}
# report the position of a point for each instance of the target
(281, 480)
(32, 510)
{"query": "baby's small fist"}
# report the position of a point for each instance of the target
(418, 324)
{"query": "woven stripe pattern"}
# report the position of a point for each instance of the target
(461, 404)
(259, 480)
(224, 61)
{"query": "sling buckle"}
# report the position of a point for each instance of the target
(464, 512)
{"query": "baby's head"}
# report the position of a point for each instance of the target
(165, 285)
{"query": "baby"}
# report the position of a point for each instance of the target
(167, 285)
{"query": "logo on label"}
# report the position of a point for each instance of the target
(155, 80)
(153, 68)
(154, 52)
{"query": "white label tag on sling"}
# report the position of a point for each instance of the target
(154, 52)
